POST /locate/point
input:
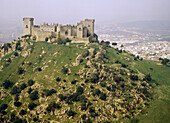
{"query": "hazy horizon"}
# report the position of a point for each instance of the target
(72, 11)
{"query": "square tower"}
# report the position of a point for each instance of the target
(27, 26)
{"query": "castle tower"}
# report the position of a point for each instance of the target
(27, 26)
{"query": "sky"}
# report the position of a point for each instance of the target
(72, 11)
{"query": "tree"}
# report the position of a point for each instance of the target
(52, 106)
(103, 96)
(23, 86)
(58, 79)
(59, 41)
(30, 82)
(148, 77)
(23, 112)
(17, 104)
(31, 105)
(20, 70)
(15, 90)
(64, 70)
(3, 106)
(7, 84)
(83, 116)
(34, 95)
(71, 113)
(134, 77)
(165, 61)
(46, 39)
(79, 90)
(114, 43)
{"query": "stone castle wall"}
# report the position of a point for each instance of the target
(82, 31)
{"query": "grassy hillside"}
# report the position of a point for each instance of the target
(52, 66)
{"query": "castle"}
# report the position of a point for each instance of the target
(82, 32)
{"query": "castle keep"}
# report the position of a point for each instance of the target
(82, 32)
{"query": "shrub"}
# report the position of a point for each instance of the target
(31, 105)
(103, 96)
(49, 92)
(134, 77)
(23, 112)
(3, 106)
(23, 86)
(96, 92)
(73, 81)
(15, 90)
(17, 104)
(20, 70)
(70, 113)
(91, 110)
(64, 70)
(46, 39)
(79, 90)
(39, 69)
(52, 106)
(148, 77)
(30, 82)
(34, 95)
(61, 97)
(85, 53)
(16, 97)
(29, 90)
(16, 53)
(124, 65)
(7, 84)
(103, 84)
(83, 116)
(58, 79)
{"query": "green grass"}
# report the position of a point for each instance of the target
(57, 56)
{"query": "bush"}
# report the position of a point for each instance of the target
(16, 53)
(61, 97)
(30, 82)
(39, 69)
(73, 81)
(58, 79)
(49, 92)
(103, 96)
(16, 97)
(64, 70)
(17, 104)
(34, 95)
(114, 43)
(52, 106)
(7, 84)
(118, 79)
(91, 110)
(20, 70)
(148, 77)
(3, 106)
(103, 84)
(85, 53)
(46, 39)
(23, 112)
(23, 86)
(96, 92)
(134, 77)
(15, 90)
(29, 90)
(70, 113)
(80, 90)
(124, 65)
(83, 116)
(31, 105)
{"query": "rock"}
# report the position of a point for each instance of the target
(26, 53)
(91, 52)
(79, 57)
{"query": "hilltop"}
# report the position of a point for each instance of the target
(50, 82)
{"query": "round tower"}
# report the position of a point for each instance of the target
(27, 26)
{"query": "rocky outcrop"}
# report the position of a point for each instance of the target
(78, 59)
